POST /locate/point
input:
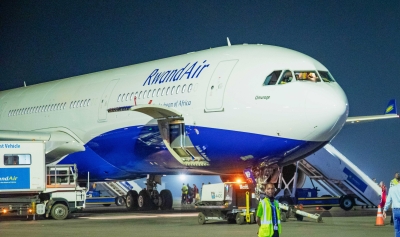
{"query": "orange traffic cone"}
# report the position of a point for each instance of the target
(379, 217)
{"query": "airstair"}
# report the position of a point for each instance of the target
(339, 176)
(117, 188)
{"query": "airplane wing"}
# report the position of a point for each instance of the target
(390, 112)
(58, 143)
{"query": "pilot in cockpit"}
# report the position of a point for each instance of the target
(287, 77)
(311, 76)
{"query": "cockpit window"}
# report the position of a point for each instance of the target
(307, 76)
(272, 78)
(286, 78)
(326, 76)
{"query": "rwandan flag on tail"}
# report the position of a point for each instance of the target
(391, 108)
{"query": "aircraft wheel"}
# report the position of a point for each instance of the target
(166, 197)
(131, 200)
(144, 200)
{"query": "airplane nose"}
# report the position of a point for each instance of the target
(327, 110)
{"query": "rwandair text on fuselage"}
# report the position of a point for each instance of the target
(174, 75)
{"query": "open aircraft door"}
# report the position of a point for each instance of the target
(171, 125)
(217, 85)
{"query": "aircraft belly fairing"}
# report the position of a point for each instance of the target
(139, 150)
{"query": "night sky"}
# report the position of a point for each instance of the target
(358, 41)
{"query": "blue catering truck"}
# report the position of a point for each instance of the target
(308, 197)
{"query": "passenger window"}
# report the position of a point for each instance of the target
(272, 78)
(286, 78)
(190, 88)
(162, 93)
(326, 76)
(307, 76)
(177, 89)
(167, 91)
(183, 88)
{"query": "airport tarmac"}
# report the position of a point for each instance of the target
(116, 221)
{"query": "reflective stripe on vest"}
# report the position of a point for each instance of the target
(264, 220)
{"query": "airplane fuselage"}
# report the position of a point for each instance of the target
(233, 118)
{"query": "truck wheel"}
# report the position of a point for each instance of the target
(326, 207)
(59, 211)
(253, 218)
(283, 217)
(166, 197)
(299, 217)
(119, 201)
(239, 219)
(201, 218)
(346, 202)
(131, 200)
(289, 202)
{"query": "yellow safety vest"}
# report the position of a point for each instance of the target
(184, 189)
(267, 226)
(394, 182)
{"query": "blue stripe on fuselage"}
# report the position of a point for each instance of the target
(135, 151)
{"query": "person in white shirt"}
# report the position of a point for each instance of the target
(394, 197)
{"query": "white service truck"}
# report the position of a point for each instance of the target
(234, 202)
(29, 186)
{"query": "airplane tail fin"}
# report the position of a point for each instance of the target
(391, 107)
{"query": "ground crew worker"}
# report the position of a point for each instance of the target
(184, 193)
(268, 214)
(394, 182)
(394, 197)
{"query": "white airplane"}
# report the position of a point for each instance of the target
(218, 111)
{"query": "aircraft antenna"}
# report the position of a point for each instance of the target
(229, 42)
(24, 84)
